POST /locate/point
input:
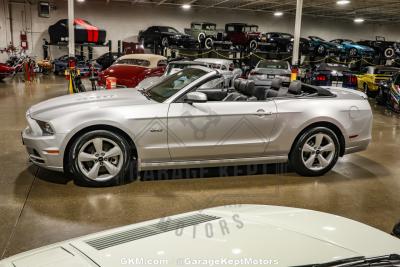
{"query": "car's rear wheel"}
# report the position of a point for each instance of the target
(315, 152)
(389, 53)
(101, 158)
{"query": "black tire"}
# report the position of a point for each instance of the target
(253, 45)
(353, 52)
(127, 171)
(320, 50)
(368, 92)
(208, 43)
(165, 42)
(296, 160)
(389, 53)
(289, 47)
(381, 98)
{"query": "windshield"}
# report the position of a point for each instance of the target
(348, 41)
(209, 27)
(176, 67)
(336, 67)
(174, 83)
(251, 28)
(315, 38)
(387, 72)
(133, 61)
(168, 29)
(266, 64)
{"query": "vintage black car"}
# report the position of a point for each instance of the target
(283, 42)
(384, 49)
(85, 32)
(107, 59)
(165, 36)
(329, 74)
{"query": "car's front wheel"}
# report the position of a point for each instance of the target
(315, 152)
(208, 43)
(353, 52)
(101, 158)
(165, 42)
(321, 50)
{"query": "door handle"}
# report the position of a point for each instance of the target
(263, 113)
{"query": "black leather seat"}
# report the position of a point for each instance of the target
(240, 87)
(295, 88)
(276, 89)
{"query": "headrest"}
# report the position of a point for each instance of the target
(249, 89)
(295, 87)
(236, 84)
(242, 85)
(276, 83)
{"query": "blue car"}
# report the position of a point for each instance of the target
(355, 50)
(61, 64)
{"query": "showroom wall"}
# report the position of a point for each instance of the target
(124, 20)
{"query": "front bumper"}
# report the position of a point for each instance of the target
(42, 149)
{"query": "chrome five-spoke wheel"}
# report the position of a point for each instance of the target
(315, 152)
(100, 159)
(318, 152)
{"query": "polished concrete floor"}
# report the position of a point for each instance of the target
(38, 207)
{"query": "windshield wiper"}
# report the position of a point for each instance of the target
(387, 260)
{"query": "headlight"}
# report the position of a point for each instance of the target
(46, 128)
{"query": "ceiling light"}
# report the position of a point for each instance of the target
(343, 2)
(80, 1)
(278, 13)
(359, 20)
(186, 6)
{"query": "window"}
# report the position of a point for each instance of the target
(169, 30)
(133, 61)
(268, 64)
(223, 67)
(209, 27)
(162, 63)
(174, 83)
(197, 26)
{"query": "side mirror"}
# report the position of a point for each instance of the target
(396, 230)
(195, 97)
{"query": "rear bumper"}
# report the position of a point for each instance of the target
(357, 146)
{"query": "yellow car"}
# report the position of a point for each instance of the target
(372, 76)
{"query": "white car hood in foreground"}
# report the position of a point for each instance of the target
(272, 235)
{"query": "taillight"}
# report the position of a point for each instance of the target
(353, 80)
(321, 77)
(254, 73)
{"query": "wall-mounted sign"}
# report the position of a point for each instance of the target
(44, 9)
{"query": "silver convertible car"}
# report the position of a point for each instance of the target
(106, 137)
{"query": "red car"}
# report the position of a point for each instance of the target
(5, 71)
(244, 35)
(131, 69)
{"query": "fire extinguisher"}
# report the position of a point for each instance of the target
(24, 41)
